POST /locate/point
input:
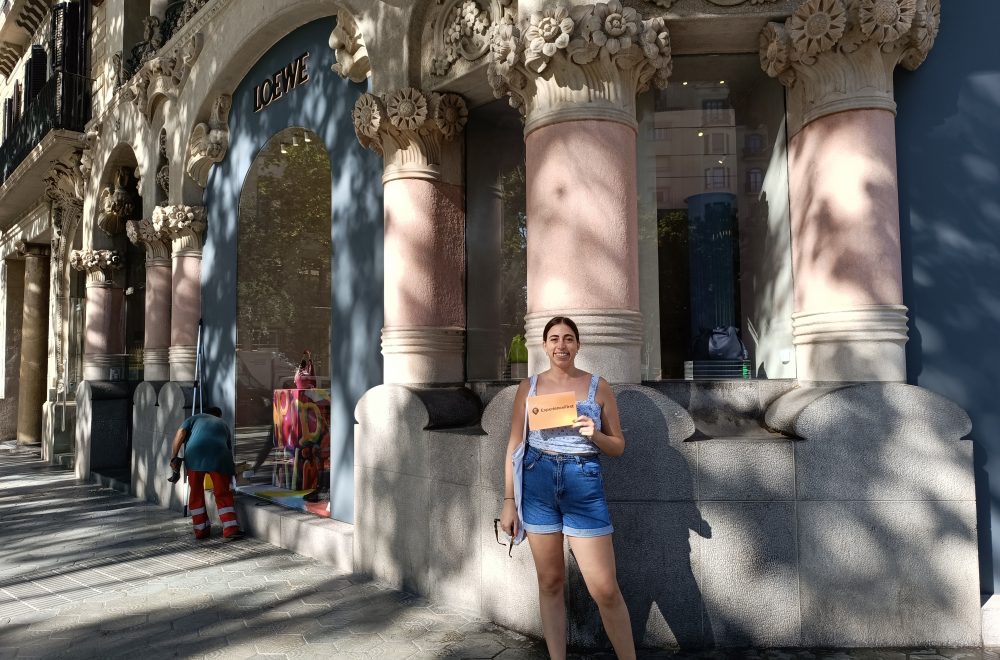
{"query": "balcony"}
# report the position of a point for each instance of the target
(19, 19)
(50, 127)
(177, 14)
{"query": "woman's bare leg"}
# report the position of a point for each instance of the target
(547, 550)
(596, 558)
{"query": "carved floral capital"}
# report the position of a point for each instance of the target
(412, 130)
(183, 225)
(209, 141)
(98, 264)
(144, 232)
(349, 49)
(836, 55)
(581, 62)
(64, 187)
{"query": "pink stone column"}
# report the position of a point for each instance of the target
(184, 227)
(849, 321)
(159, 292)
(583, 242)
(104, 326)
(417, 134)
(424, 282)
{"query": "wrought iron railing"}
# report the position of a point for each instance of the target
(63, 103)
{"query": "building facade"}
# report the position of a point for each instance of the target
(395, 198)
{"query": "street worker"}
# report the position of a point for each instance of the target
(208, 450)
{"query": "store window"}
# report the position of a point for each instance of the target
(496, 239)
(283, 272)
(713, 195)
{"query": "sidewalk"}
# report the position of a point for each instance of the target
(86, 572)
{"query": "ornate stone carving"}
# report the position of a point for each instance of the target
(835, 55)
(145, 233)
(26, 249)
(183, 225)
(667, 4)
(209, 141)
(90, 137)
(163, 76)
(410, 129)
(588, 61)
(116, 205)
(163, 173)
(64, 187)
(460, 30)
(98, 264)
(349, 49)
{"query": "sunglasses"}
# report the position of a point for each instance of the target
(496, 532)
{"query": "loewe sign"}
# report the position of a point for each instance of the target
(281, 82)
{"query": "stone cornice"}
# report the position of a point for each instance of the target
(412, 130)
(835, 55)
(209, 141)
(582, 62)
(144, 232)
(349, 49)
(183, 225)
(98, 264)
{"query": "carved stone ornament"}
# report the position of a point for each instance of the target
(163, 173)
(163, 76)
(116, 205)
(410, 129)
(183, 225)
(98, 264)
(145, 233)
(835, 55)
(460, 30)
(209, 141)
(90, 138)
(667, 4)
(588, 62)
(349, 49)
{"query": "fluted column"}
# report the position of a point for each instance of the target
(184, 226)
(417, 133)
(837, 63)
(104, 329)
(574, 72)
(156, 342)
(34, 343)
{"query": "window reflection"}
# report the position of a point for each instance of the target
(713, 196)
(496, 239)
(283, 270)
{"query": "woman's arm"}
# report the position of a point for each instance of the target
(610, 438)
(508, 516)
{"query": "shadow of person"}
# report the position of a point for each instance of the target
(658, 526)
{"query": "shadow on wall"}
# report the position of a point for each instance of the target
(651, 495)
(949, 183)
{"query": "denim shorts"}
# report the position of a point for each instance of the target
(564, 493)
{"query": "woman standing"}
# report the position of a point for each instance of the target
(563, 492)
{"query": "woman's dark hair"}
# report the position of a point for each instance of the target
(213, 410)
(557, 320)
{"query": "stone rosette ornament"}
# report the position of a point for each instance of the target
(96, 261)
(181, 224)
(591, 59)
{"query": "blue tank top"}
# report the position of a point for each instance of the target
(566, 439)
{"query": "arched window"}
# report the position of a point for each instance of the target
(283, 270)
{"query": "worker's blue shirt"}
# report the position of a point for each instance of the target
(208, 447)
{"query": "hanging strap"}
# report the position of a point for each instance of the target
(594, 380)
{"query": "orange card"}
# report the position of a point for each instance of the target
(547, 411)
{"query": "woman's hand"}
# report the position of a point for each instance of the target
(585, 425)
(508, 518)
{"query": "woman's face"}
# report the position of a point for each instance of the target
(561, 345)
